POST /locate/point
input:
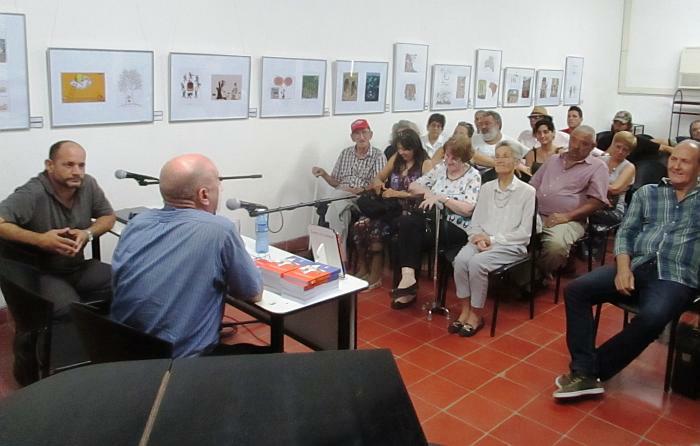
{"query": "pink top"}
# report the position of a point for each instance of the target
(563, 190)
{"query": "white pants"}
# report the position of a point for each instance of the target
(471, 269)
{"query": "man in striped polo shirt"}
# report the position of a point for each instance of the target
(657, 253)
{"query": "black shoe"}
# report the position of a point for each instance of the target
(398, 292)
(398, 305)
(454, 327)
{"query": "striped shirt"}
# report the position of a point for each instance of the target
(658, 226)
(353, 171)
(170, 272)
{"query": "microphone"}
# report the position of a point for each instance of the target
(234, 203)
(123, 174)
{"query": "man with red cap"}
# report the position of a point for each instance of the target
(357, 165)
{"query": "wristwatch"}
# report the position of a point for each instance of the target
(89, 233)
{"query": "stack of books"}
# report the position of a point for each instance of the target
(297, 278)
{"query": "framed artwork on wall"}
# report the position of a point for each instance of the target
(449, 89)
(359, 87)
(14, 78)
(517, 86)
(292, 87)
(209, 87)
(94, 86)
(410, 76)
(548, 87)
(573, 78)
(488, 78)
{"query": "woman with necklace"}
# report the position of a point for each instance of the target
(499, 234)
(408, 163)
(544, 133)
(455, 185)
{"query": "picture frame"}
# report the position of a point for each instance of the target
(359, 87)
(14, 75)
(100, 86)
(518, 86)
(292, 87)
(548, 87)
(410, 77)
(449, 88)
(573, 79)
(487, 80)
(207, 87)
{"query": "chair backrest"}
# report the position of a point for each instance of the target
(109, 341)
(20, 287)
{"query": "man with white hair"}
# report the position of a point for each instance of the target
(488, 136)
(570, 187)
(173, 266)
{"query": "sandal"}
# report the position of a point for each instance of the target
(468, 330)
(398, 292)
(454, 327)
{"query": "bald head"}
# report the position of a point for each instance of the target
(684, 165)
(190, 181)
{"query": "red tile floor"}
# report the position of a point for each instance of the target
(485, 390)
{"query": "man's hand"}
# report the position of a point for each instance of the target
(59, 241)
(80, 236)
(624, 281)
(318, 171)
(555, 219)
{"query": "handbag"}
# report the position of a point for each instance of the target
(375, 207)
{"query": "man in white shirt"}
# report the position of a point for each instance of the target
(484, 142)
(434, 139)
(527, 137)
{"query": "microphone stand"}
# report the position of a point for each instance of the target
(321, 206)
(148, 181)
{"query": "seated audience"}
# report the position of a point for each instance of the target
(646, 148)
(407, 165)
(574, 118)
(570, 186)
(657, 264)
(528, 137)
(499, 234)
(462, 129)
(46, 223)
(453, 184)
(357, 165)
(395, 129)
(485, 141)
(434, 139)
(544, 132)
(693, 131)
(173, 266)
(478, 114)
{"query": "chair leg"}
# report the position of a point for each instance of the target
(671, 354)
(589, 242)
(596, 322)
(494, 317)
(556, 287)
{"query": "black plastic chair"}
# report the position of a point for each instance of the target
(634, 309)
(42, 345)
(586, 241)
(109, 341)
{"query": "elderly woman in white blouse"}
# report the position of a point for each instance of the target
(499, 234)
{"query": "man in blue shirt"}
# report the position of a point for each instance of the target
(173, 266)
(657, 254)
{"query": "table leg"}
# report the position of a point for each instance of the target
(277, 333)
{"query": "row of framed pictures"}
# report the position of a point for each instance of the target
(94, 86)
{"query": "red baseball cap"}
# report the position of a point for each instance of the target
(359, 124)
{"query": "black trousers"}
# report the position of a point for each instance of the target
(414, 235)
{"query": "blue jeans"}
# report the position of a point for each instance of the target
(660, 301)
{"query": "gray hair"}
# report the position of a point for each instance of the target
(690, 127)
(587, 130)
(496, 117)
(514, 149)
(402, 124)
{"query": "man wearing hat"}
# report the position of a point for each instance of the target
(357, 165)
(527, 137)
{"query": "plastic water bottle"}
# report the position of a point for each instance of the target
(261, 229)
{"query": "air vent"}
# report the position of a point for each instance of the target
(689, 71)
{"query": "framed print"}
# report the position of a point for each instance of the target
(410, 76)
(359, 87)
(517, 86)
(548, 87)
(573, 77)
(92, 87)
(488, 78)
(14, 84)
(292, 87)
(209, 87)
(449, 89)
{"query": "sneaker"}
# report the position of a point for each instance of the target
(578, 385)
(563, 380)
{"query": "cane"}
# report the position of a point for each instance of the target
(436, 306)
